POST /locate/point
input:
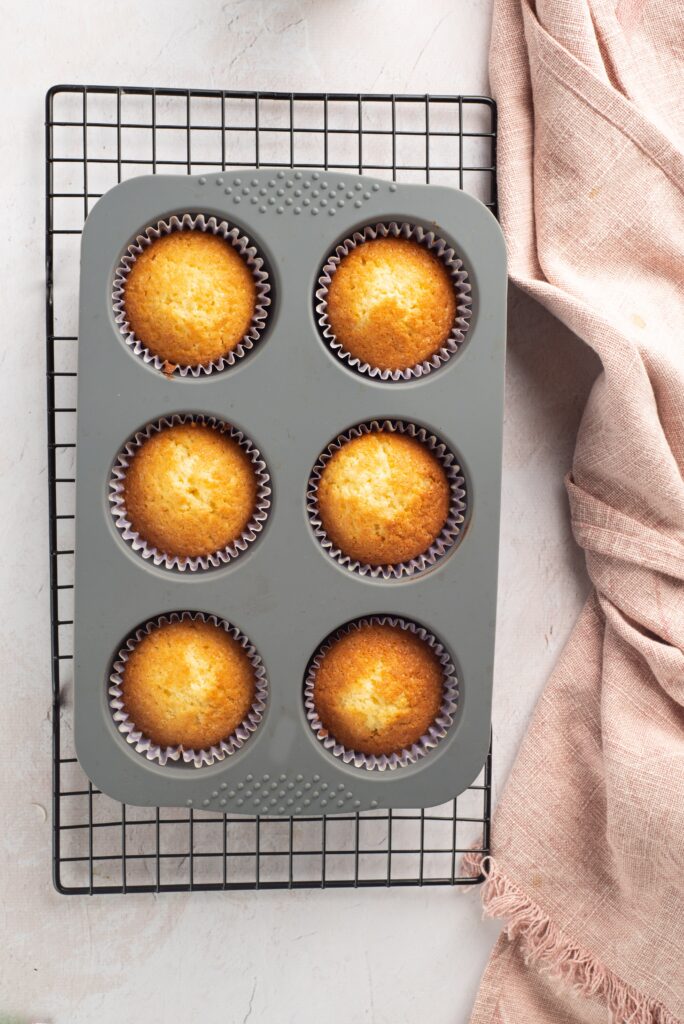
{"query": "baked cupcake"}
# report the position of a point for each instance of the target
(378, 688)
(189, 490)
(391, 303)
(383, 498)
(187, 683)
(189, 298)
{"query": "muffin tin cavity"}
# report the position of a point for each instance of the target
(188, 279)
(378, 481)
(284, 585)
(183, 468)
(377, 292)
(178, 752)
(367, 692)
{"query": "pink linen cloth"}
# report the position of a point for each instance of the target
(587, 865)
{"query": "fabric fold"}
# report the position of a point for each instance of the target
(587, 866)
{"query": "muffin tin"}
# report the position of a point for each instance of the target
(291, 396)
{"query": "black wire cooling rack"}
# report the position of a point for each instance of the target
(96, 136)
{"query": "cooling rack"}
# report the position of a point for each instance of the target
(96, 136)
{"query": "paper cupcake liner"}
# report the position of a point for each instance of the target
(459, 277)
(427, 742)
(451, 530)
(191, 222)
(179, 562)
(152, 751)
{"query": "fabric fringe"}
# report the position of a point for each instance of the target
(546, 946)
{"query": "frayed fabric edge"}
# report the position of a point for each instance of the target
(548, 948)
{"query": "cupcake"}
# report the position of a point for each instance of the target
(187, 683)
(378, 688)
(189, 298)
(383, 498)
(391, 303)
(189, 490)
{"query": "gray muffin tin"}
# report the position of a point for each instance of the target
(291, 395)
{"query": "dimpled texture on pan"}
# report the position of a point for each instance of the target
(383, 498)
(391, 303)
(188, 684)
(190, 490)
(378, 689)
(189, 298)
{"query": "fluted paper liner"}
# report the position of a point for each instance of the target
(152, 751)
(239, 241)
(459, 277)
(451, 530)
(179, 562)
(427, 742)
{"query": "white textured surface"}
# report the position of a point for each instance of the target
(375, 956)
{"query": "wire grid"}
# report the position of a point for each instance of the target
(97, 136)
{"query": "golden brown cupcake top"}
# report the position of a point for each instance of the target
(391, 303)
(188, 684)
(190, 298)
(190, 490)
(383, 498)
(378, 689)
